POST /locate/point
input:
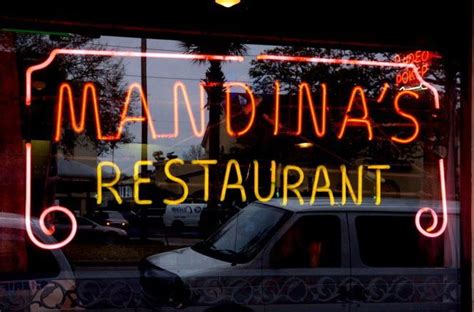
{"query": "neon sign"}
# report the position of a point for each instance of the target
(89, 97)
(322, 183)
(420, 59)
(233, 166)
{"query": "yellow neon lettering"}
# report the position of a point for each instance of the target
(205, 164)
(378, 180)
(346, 185)
(324, 188)
(272, 183)
(109, 185)
(237, 185)
(181, 182)
(137, 181)
(293, 186)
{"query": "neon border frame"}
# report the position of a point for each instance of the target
(428, 232)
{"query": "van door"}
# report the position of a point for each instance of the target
(306, 268)
(396, 268)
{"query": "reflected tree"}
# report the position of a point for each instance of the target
(194, 152)
(354, 148)
(107, 75)
(214, 83)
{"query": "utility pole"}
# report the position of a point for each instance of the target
(144, 143)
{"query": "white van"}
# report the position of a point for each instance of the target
(313, 258)
(183, 215)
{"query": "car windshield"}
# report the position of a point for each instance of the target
(244, 234)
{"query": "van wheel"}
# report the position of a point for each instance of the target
(177, 226)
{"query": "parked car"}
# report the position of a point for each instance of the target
(32, 278)
(313, 258)
(89, 231)
(111, 218)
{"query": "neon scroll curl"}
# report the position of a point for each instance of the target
(43, 215)
(429, 231)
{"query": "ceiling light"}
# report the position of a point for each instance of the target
(227, 3)
(305, 144)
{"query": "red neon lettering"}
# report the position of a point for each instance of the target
(181, 86)
(425, 55)
(78, 127)
(384, 91)
(398, 79)
(357, 121)
(304, 89)
(231, 132)
(405, 77)
(125, 118)
(424, 69)
(89, 88)
(408, 116)
(418, 56)
(411, 75)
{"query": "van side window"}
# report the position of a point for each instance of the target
(313, 241)
(394, 241)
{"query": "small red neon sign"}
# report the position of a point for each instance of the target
(421, 60)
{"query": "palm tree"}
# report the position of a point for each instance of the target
(214, 81)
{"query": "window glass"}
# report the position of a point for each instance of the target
(397, 243)
(245, 233)
(312, 242)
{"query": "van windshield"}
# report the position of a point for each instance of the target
(239, 240)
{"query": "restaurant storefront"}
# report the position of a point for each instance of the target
(169, 165)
